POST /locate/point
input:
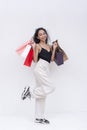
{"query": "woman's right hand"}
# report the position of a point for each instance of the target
(33, 43)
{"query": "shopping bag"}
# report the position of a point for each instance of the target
(29, 58)
(26, 51)
(58, 58)
(60, 55)
(20, 49)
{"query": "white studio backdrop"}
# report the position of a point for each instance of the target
(65, 20)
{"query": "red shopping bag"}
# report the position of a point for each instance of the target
(29, 58)
(26, 52)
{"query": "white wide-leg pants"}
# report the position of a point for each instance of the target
(43, 87)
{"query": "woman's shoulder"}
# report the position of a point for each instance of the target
(38, 47)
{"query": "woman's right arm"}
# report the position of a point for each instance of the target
(36, 51)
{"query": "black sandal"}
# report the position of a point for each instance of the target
(26, 93)
(42, 121)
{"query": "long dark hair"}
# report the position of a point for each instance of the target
(36, 40)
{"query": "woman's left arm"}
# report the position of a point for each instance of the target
(53, 48)
(53, 55)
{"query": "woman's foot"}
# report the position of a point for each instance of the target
(42, 121)
(26, 93)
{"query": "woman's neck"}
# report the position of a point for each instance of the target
(42, 42)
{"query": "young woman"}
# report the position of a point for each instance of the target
(43, 55)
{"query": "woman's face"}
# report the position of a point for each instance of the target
(42, 36)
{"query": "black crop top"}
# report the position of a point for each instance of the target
(45, 55)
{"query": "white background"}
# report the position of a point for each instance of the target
(65, 20)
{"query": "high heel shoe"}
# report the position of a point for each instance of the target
(26, 93)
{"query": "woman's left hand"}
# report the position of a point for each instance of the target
(55, 45)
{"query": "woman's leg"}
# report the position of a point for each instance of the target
(39, 107)
(39, 111)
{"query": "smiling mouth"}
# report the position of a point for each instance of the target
(44, 38)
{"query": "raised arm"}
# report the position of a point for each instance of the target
(36, 51)
(53, 55)
(53, 48)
